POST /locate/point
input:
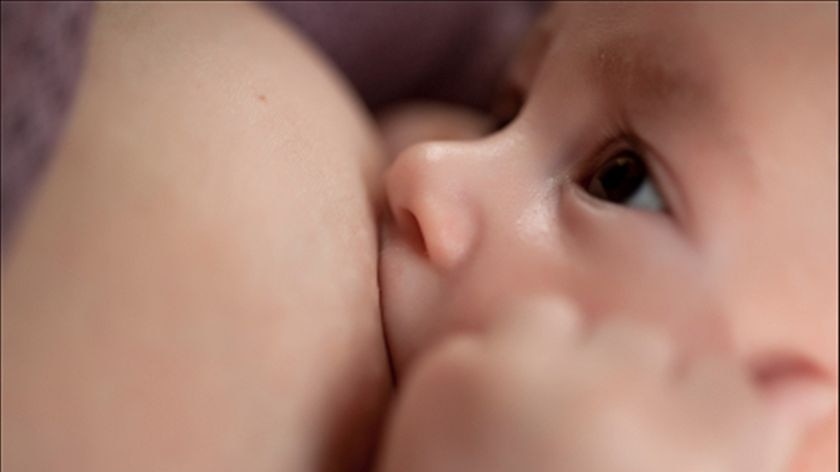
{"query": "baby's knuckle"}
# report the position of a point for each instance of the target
(539, 318)
(452, 364)
(627, 344)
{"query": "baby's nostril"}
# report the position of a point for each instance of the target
(412, 232)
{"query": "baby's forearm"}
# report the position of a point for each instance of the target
(195, 286)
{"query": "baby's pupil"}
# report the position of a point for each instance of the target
(620, 177)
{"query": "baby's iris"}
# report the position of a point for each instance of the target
(623, 179)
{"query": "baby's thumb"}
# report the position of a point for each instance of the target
(795, 406)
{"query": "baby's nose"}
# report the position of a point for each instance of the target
(430, 195)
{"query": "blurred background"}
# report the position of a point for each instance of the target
(388, 51)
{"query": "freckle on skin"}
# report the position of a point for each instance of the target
(262, 98)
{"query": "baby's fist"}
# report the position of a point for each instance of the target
(538, 392)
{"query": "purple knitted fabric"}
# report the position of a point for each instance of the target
(454, 51)
(40, 60)
(451, 51)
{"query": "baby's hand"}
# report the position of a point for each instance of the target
(538, 394)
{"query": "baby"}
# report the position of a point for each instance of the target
(639, 272)
(673, 177)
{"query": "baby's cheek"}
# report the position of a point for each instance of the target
(605, 274)
(819, 449)
(638, 266)
(671, 298)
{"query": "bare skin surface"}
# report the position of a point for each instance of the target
(540, 391)
(732, 109)
(195, 285)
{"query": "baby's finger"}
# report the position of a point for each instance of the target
(538, 322)
(532, 337)
(632, 347)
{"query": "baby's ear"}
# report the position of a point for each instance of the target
(409, 123)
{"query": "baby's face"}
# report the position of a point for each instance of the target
(676, 163)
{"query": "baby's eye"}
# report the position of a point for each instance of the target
(623, 179)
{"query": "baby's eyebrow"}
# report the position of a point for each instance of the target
(650, 74)
(673, 84)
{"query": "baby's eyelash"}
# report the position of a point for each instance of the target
(618, 171)
(614, 140)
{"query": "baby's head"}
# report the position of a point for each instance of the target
(676, 163)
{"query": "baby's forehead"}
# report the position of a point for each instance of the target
(739, 92)
(688, 32)
(705, 59)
